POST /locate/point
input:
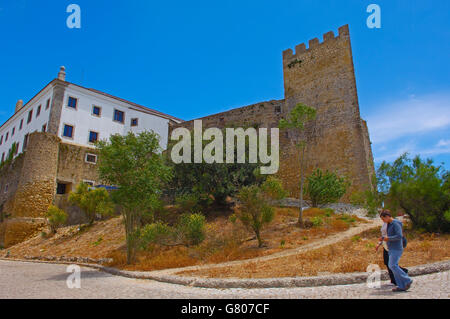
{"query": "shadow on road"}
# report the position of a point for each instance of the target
(85, 274)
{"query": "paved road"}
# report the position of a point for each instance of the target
(37, 280)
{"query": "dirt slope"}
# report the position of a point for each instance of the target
(96, 241)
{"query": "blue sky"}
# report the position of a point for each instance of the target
(194, 58)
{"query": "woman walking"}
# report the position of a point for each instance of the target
(394, 240)
(386, 254)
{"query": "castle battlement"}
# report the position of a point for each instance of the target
(300, 49)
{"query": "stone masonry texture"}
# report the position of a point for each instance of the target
(32, 180)
(322, 77)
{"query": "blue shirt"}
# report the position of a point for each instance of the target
(395, 235)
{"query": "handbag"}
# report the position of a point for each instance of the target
(404, 242)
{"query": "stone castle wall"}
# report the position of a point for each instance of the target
(31, 187)
(73, 169)
(37, 184)
(9, 181)
(32, 180)
(322, 77)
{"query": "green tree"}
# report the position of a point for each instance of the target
(135, 165)
(420, 189)
(191, 228)
(254, 209)
(211, 183)
(55, 217)
(296, 120)
(92, 201)
(325, 187)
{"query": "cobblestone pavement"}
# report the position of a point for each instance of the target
(35, 280)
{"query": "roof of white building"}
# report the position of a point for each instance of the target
(136, 106)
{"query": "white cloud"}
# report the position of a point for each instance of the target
(394, 154)
(415, 115)
(442, 147)
(443, 143)
(438, 149)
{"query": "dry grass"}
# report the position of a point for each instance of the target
(227, 242)
(224, 242)
(95, 241)
(353, 255)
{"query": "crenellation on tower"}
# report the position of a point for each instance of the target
(288, 54)
(328, 36)
(313, 43)
(301, 48)
(344, 31)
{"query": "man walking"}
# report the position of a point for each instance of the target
(386, 254)
(394, 240)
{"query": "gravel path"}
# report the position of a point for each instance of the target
(332, 239)
(34, 280)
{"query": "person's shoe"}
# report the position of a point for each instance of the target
(409, 285)
(396, 289)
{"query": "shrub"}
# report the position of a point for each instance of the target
(447, 215)
(347, 218)
(325, 188)
(188, 203)
(371, 199)
(329, 212)
(273, 189)
(317, 221)
(156, 233)
(92, 201)
(56, 218)
(192, 228)
(255, 211)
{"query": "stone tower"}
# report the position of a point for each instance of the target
(322, 76)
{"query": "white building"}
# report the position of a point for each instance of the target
(80, 116)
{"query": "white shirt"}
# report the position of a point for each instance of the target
(384, 234)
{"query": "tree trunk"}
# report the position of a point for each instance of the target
(258, 236)
(302, 160)
(129, 229)
(300, 213)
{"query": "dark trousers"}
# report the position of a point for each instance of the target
(386, 262)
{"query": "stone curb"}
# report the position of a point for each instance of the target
(287, 282)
